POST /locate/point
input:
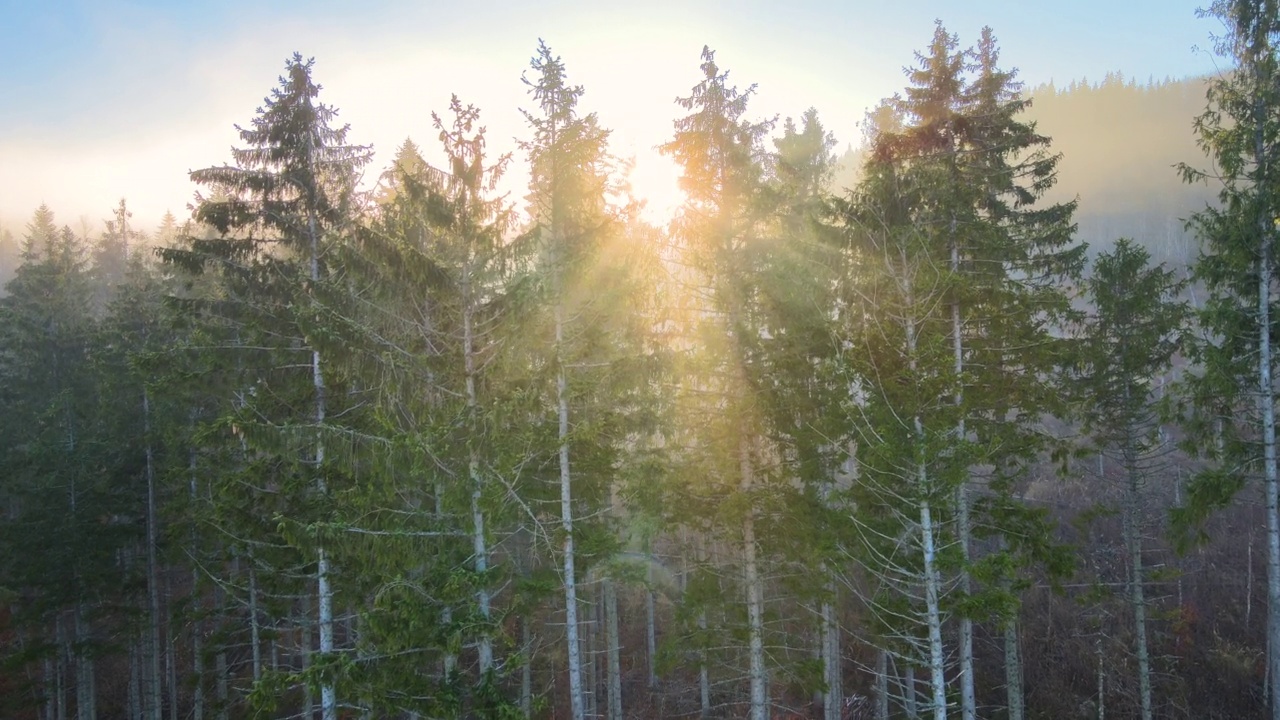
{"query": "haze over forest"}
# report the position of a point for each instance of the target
(972, 417)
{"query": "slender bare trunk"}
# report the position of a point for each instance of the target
(1266, 402)
(50, 688)
(650, 627)
(968, 702)
(1137, 600)
(612, 642)
(86, 686)
(1013, 670)
(255, 631)
(324, 591)
(154, 689)
(170, 651)
(450, 661)
(937, 669)
(60, 678)
(928, 550)
(909, 700)
(882, 685)
(833, 698)
(134, 701)
(566, 519)
(308, 644)
(197, 666)
(197, 624)
(479, 544)
(592, 653)
(526, 669)
(704, 676)
(755, 593)
(220, 660)
(1102, 684)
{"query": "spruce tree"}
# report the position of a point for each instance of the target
(278, 210)
(719, 231)
(1130, 339)
(1235, 395)
(59, 556)
(899, 366)
(438, 264)
(796, 281)
(980, 171)
(585, 274)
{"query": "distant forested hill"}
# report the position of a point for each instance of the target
(1120, 142)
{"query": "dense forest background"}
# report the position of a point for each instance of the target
(945, 425)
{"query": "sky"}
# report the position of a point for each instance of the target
(104, 99)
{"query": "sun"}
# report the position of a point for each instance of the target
(655, 179)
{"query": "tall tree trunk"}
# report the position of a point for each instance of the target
(170, 650)
(937, 668)
(755, 593)
(197, 665)
(1013, 670)
(50, 688)
(1266, 402)
(650, 626)
(704, 677)
(308, 646)
(1133, 542)
(479, 545)
(526, 669)
(1102, 683)
(704, 671)
(909, 695)
(60, 678)
(324, 591)
(590, 653)
(86, 686)
(446, 613)
(197, 624)
(154, 689)
(704, 686)
(220, 660)
(882, 685)
(833, 698)
(566, 519)
(968, 702)
(255, 631)
(221, 686)
(928, 550)
(612, 642)
(134, 700)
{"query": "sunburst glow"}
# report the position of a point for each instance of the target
(654, 179)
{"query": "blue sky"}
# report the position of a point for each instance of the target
(101, 99)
